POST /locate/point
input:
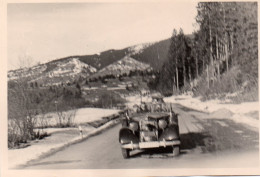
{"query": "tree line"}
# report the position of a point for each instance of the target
(226, 39)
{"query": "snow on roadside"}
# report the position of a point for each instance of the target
(21, 156)
(59, 136)
(239, 110)
(213, 105)
(241, 118)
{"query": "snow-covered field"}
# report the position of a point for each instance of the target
(83, 115)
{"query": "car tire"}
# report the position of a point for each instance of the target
(125, 153)
(176, 150)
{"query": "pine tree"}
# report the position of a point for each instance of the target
(173, 61)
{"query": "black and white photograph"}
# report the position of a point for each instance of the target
(130, 85)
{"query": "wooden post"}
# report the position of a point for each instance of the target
(80, 131)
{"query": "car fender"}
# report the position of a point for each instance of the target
(170, 133)
(126, 136)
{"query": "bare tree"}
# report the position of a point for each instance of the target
(21, 113)
(65, 117)
(21, 110)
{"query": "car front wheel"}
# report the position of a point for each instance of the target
(176, 150)
(125, 153)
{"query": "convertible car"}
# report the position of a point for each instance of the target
(150, 130)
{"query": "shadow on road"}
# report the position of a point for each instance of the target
(192, 140)
(188, 141)
(186, 109)
(153, 153)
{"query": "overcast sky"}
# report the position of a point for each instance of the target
(45, 32)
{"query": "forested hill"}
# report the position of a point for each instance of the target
(221, 58)
(155, 54)
(150, 53)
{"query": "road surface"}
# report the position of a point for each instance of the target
(206, 142)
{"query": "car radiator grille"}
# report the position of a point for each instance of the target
(148, 130)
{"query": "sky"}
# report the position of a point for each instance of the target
(40, 32)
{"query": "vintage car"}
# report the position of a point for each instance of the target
(150, 130)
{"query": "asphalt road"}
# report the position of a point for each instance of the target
(206, 142)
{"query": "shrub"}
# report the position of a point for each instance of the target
(229, 82)
(21, 114)
(65, 118)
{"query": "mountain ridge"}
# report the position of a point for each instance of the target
(103, 59)
(121, 67)
(54, 73)
(152, 54)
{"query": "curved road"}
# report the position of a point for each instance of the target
(206, 142)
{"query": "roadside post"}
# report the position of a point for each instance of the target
(80, 131)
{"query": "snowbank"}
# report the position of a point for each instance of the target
(216, 109)
(213, 105)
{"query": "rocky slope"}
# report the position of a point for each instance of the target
(123, 66)
(53, 73)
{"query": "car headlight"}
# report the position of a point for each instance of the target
(162, 124)
(133, 126)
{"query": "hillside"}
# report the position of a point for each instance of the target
(155, 54)
(123, 66)
(151, 53)
(54, 73)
